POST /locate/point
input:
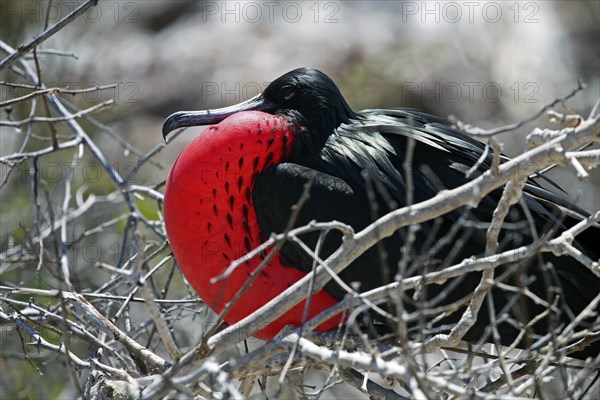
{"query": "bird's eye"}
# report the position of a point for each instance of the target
(288, 91)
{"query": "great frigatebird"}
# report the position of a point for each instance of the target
(237, 181)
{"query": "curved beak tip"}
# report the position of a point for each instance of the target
(165, 131)
(170, 124)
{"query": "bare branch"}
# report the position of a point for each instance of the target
(15, 55)
(478, 132)
(154, 362)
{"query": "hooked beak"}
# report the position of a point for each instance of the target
(183, 119)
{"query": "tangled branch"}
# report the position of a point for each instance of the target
(89, 286)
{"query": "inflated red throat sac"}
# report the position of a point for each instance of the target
(210, 218)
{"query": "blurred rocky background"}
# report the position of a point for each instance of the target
(487, 63)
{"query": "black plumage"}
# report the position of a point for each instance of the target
(349, 155)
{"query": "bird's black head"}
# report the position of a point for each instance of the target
(305, 95)
(310, 96)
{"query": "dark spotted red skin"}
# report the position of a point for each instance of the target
(210, 218)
